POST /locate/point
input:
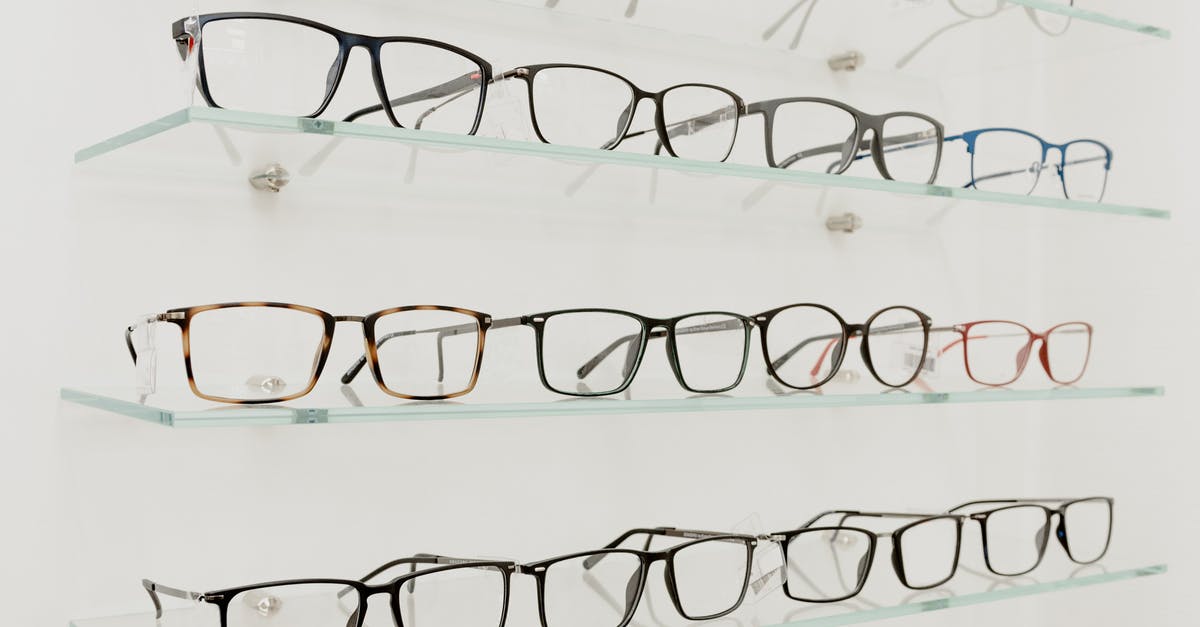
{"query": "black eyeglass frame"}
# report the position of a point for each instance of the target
(1060, 532)
(763, 320)
(650, 328)
(528, 73)
(186, 40)
(646, 559)
(222, 597)
(877, 145)
(784, 538)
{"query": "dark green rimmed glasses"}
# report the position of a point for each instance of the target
(707, 350)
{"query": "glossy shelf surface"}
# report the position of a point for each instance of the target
(181, 409)
(772, 609)
(229, 146)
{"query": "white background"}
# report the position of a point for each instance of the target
(93, 502)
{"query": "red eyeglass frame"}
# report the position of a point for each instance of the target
(964, 330)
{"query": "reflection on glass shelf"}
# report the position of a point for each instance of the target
(363, 403)
(201, 142)
(930, 38)
(882, 598)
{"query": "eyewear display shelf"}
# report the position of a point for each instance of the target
(217, 145)
(879, 600)
(181, 409)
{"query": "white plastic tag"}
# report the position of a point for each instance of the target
(767, 570)
(142, 337)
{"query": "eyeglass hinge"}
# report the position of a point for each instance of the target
(770, 537)
(170, 315)
(521, 71)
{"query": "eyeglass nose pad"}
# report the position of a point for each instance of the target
(631, 589)
(897, 565)
(1044, 355)
(848, 149)
(1040, 539)
(1023, 355)
(1061, 533)
(839, 353)
(331, 75)
(863, 564)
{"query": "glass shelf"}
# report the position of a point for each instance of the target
(182, 409)
(218, 145)
(881, 599)
(888, 34)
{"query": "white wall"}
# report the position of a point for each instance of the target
(94, 501)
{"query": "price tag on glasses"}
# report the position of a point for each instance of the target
(767, 568)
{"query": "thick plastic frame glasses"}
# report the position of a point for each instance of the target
(971, 138)
(856, 146)
(835, 534)
(183, 317)
(662, 129)
(1022, 358)
(646, 557)
(1059, 510)
(188, 34)
(635, 345)
(356, 615)
(835, 344)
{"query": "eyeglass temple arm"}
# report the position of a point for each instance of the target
(443, 333)
(891, 143)
(156, 589)
(997, 175)
(650, 533)
(631, 341)
(1016, 500)
(455, 88)
(690, 126)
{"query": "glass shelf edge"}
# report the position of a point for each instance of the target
(271, 415)
(978, 598)
(873, 614)
(1095, 17)
(266, 121)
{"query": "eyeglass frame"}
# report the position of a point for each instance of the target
(527, 73)
(849, 331)
(651, 328)
(189, 36)
(784, 538)
(182, 317)
(862, 121)
(222, 597)
(647, 558)
(1060, 532)
(964, 331)
(970, 138)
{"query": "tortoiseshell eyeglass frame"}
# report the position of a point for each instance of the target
(182, 317)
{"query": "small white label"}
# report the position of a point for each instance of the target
(767, 568)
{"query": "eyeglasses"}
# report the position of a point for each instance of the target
(1051, 24)
(831, 563)
(996, 351)
(293, 66)
(822, 135)
(1011, 160)
(260, 352)
(581, 105)
(804, 344)
(706, 578)
(478, 593)
(707, 351)
(1016, 532)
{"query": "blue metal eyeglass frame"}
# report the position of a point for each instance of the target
(971, 137)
